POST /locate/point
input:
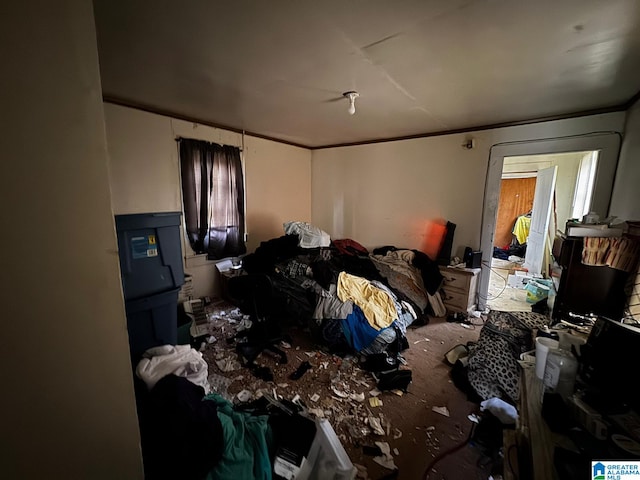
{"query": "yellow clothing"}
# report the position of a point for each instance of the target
(521, 229)
(376, 304)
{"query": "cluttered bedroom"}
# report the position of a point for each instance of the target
(369, 311)
(313, 356)
(326, 241)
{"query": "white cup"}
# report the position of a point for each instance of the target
(543, 345)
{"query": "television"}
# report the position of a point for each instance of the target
(609, 364)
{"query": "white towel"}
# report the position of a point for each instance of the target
(179, 360)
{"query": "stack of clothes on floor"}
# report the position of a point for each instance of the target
(192, 434)
(351, 299)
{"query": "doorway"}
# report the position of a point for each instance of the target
(582, 182)
(570, 192)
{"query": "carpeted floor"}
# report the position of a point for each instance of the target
(418, 433)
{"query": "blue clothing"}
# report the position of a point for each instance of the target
(359, 333)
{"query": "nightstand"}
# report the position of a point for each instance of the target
(459, 288)
(224, 282)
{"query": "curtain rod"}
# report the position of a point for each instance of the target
(207, 141)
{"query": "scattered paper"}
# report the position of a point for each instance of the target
(396, 452)
(310, 354)
(340, 393)
(384, 447)
(398, 392)
(397, 433)
(473, 417)
(357, 397)
(375, 402)
(376, 425)
(317, 412)
(441, 410)
(375, 392)
(386, 460)
(228, 364)
(315, 397)
(283, 385)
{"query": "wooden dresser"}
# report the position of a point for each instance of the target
(459, 288)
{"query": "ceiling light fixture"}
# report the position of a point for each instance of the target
(352, 101)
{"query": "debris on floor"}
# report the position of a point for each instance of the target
(334, 388)
(375, 425)
(441, 410)
(386, 460)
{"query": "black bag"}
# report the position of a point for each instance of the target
(380, 362)
(395, 380)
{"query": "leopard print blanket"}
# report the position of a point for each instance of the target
(493, 368)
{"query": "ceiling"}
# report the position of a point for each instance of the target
(278, 68)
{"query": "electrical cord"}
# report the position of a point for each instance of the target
(442, 455)
(493, 297)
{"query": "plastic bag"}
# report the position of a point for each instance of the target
(538, 289)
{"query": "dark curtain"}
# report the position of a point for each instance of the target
(213, 197)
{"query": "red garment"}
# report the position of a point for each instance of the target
(346, 246)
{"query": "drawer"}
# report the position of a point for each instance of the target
(457, 280)
(457, 301)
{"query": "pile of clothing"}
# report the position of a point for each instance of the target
(352, 299)
(189, 433)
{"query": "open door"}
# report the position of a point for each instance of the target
(542, 204)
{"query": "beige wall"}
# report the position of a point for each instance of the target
(67, 400)
(625, 202)
(386, 193)
(145, 177)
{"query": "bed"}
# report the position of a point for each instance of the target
(352, 300)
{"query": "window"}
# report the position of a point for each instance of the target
(213, 198)
(584, 185)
